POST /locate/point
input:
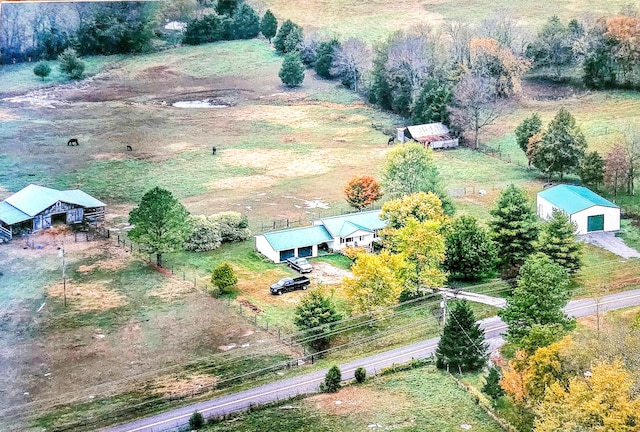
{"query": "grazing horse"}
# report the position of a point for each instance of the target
(129, 148)
(391, 140)
(213, 150)
(73, 142)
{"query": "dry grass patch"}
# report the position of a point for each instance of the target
(279, 163)
(358, 400)
(172, 288)
(177, 385)
(88, 297)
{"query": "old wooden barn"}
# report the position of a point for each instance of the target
(35, 208)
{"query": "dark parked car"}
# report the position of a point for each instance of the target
(290, 284)
(299, 264)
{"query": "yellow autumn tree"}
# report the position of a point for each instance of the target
(514, 378)
(500, 63)
(375, 283)
(421, 206)
(601, 402)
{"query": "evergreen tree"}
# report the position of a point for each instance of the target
(591, 170)
(491, 385)
(332, 380)
(294, 42)
(224, 277)
(562, 146)
(245, 23)
(462, 347)
(279, 40)
(514, 229)
(227, 7)
(292, 70)
(470, 252)
(268, 25)
(541, 292)
(528, 128)
(316, 310)
(324, 58)
(70, 64)
(433, 103)
(558, 241)
(161, 223)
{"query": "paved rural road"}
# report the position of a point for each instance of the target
(309, 383)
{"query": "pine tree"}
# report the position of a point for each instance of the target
(491, 385)
(245, 23)
(462, 347)
(292, 70)
(541, 292)
(332, 380)
(279, 40)
(514, 229)
(591, 170)
(470, 252)
(558, 241)
(268, 25)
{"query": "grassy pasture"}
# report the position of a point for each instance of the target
(374, 20)
(414, 400)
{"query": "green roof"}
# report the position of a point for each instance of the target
(343, 226)
(573, 199)
(298, 237)
(34, 199)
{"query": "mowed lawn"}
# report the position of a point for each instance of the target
(422, 399)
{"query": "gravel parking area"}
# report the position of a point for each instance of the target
(610, 242)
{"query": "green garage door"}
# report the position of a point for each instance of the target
(595, 223)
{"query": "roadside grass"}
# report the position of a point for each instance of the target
(604, 273)
(630, 233)
(406, 400)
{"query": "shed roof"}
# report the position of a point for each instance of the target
(343, 226)
(573, 199)
(11, 215)
(33, 199)
(429, 132)
(298, 237)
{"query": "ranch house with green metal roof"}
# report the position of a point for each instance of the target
(588, 210)
(35, 208)
(331, 233)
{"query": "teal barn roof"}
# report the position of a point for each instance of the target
(573, 199)
(298, 237)
(33, 199)
(343, 226)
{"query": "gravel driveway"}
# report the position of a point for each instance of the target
(610, 242)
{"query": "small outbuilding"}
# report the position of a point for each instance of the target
(433, 135)
(588, 210)
(331, 234)
(35, 208)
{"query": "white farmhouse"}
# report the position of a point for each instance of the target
(588, 210)
(331, 234)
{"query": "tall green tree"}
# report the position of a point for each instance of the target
(525, 130)
(268, 25)
(470, 253)
(558, 241)
(491, 385)
(462, 347)
(245, 23)
(161, 223)
(227, 7)
(541, 292)
(562, 146)
(591, 170)
(279, 40)
(433, 103)
(315, 313)
(70, 64)
(513, 228)
(410, 168)
(553, 47)
(292, 71)
(324, 59)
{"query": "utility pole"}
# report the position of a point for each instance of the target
(64, 277)
(443, 306)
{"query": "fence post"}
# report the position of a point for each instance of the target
(183, 276)
(194, 283)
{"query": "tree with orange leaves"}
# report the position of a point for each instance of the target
(362, 191)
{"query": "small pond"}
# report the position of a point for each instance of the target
(206, 103)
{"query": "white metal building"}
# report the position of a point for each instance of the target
(588, 210)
